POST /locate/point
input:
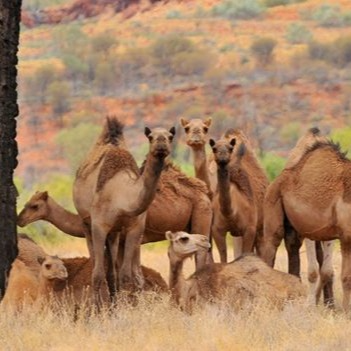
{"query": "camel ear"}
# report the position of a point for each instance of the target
(172, 131)
(212, 143)
(233, 142)
(147, 131)
(169, 235)
(44, 195)
(183, 121)
(208, 121)
(40, 259)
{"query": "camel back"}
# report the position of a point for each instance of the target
(306, 142)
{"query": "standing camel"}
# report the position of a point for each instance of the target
(111, 197)
(234, 206)
(319, 255)
(314, 195)
(206, 169)
(244, 280)
(180, 203)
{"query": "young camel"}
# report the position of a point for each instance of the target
(234, 206)
(317, 185)
(244, 280)
(111, 197)
(196, 137)
(181, 203)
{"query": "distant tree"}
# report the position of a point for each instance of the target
(10, 12)
(262, 49)
(59, 94)
(103, 43)
(39, 82)
(105, 77)
(238, 9)
(297, 33)
(83, 135)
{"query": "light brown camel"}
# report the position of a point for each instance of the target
(206, 169)
(314, 196)
(111, 197)
(233, 204)
(247, 279)
(181, 203)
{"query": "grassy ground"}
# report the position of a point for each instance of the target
(154, 325)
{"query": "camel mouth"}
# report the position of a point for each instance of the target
(162, 152)
(195, 142)
(22, 222)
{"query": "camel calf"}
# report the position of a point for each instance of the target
(244, 280)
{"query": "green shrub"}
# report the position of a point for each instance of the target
(174, 14)
(59, 94)
(343, 137)
(238, 9)
(262, 49)
(191, 63)
(328, 15)
(297, 33)
(273, 164)
(290, 132)
(272, 3)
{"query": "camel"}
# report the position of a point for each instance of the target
(111, 197)
(247, 279)
(59, 277)
(233, 204)
(319, 255)
(196, 133)
(181, 203)
(316, 185)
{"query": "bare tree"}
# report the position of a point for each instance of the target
(10, 12)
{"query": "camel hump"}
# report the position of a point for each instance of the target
(241, 151)
(113, 131)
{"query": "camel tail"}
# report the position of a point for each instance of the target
(113, 131)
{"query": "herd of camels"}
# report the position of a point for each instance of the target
(121, 206)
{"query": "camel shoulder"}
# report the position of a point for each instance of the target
(115, 160)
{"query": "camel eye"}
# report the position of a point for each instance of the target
(205, 129)
(47, 265)
(34, 207)
(187, 129)
(214, 149)
(184, 240)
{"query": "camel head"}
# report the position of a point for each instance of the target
(222, 150)
(183, 245)
(238, 134)
(196, 131)
(36, 208)
(52, 268)
(160, 141)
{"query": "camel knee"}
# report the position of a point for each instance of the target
(98, 278)
(327, 276)
(313, 277)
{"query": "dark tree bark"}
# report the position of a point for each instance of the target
(10, 11)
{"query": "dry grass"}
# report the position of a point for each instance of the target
(154, 325)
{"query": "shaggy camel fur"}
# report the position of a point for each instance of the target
(111, 196)
(314, 195)
(319, 255)
(181, 203)
(244, 280)
(196, 137)
(234, 206)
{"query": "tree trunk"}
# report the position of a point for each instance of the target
(10, 12)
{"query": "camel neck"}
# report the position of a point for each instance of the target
(150, 177)
(64, 220)
(224, 190)
(175, 276)
(201, 166)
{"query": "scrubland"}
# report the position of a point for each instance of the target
(153, 324)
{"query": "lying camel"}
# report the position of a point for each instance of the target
(244, 280)
(313, 195)
(111, 197)
(206, 169)
(234, 206)
(58, 277)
